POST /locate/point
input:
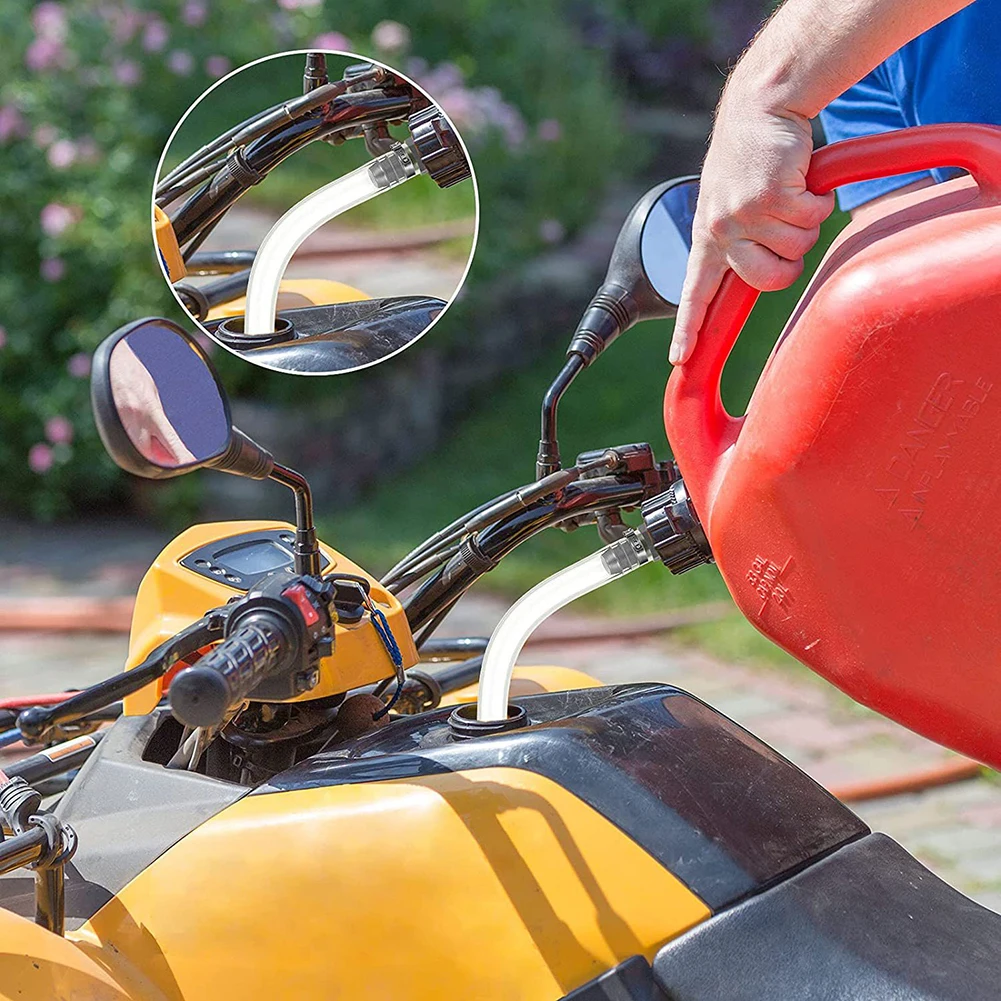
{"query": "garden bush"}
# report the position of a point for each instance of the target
(89, 91)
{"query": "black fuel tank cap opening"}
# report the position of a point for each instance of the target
(230, 332)
(464, 724)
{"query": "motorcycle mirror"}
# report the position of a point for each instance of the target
(643, 282)
(647, 268)
(160, 408)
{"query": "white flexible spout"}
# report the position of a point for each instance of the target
(302, 220)
(535, 606)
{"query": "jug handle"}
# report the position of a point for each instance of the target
(698, 426)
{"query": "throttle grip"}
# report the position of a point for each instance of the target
(201, 695)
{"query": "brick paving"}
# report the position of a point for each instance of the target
(955, 830)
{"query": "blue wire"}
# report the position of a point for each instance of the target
(392, 648)
(10, 737)
(386, 635)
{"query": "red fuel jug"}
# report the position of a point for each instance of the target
(855, 510)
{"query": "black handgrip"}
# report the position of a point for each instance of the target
(202, 695)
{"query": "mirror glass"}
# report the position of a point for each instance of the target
(667, 239)
(167, 398)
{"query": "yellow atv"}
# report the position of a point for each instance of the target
(300, 798)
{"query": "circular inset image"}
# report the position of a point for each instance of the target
(315, 212)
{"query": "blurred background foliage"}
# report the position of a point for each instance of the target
(89, 92)
(545, 92)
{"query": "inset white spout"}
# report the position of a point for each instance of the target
(302, 220)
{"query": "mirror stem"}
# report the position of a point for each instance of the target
(315, 74)
(609, 313)
(548, 459)
(306, 549)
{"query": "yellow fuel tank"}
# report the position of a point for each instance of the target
(492, 883)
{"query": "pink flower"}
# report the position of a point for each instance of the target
(331, 40)
(180, 62)
(3, 337)
(391, 36)
(44, 135)
(61, 154)
(56, 218)
(298, 4)
(460, 105)
(551, 231)
(194, 13)
(79, 365)
(155, 36)
(11, 123)
(444, 77)
(125, 22)
(549, 130)
(127, 73)
(217, 66)
(40, 458)
(52, 268)
(44, 54)
(49, 20)
(59, 430)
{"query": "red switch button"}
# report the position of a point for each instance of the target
(297, 593)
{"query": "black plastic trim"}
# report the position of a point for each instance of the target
(631, 980)
(869, 923)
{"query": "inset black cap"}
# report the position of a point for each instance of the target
(438, 147)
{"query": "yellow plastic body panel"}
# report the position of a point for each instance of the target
(166, 243)
(171, 597)
(492, 883)
(531, 681)
(40, 966)
(296, 292)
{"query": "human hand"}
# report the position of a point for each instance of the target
(140, 408)
(754, 214)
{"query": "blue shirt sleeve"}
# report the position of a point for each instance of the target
(868, 107)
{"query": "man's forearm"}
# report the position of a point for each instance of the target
(812, 51)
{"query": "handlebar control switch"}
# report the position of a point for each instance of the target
(438, 147)
(274, 640)
(674, 530)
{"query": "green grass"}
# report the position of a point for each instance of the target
(734, 639)
(616, 401)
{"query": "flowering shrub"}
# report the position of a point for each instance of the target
(89, 90)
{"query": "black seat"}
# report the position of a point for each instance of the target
(868, 923)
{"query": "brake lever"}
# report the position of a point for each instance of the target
(85, 725)
(39, 722)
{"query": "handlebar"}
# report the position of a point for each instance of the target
(440, 592)
(262, 644)
(37, 723)
(247, 166)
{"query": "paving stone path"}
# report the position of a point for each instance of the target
(954, 829)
